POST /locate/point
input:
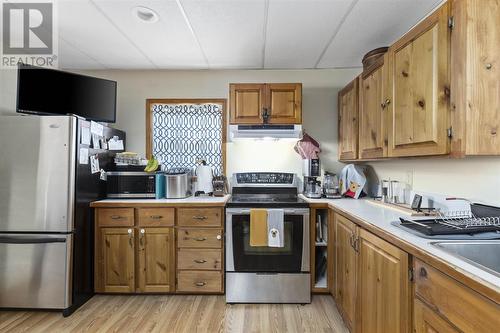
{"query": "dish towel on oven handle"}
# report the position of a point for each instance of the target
(275, 227)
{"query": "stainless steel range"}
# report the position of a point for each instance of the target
(265, 274)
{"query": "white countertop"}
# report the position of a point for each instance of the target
(188, 200)
(382, 218)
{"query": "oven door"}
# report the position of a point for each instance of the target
(292, 258)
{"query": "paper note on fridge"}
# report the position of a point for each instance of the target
(94, 164)
(85, 139)
(115, 144)
(96, 128)
(84, 156)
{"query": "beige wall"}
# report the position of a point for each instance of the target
(320, 89)
(475, 178)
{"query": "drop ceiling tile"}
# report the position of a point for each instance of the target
(372, 24)
(71, 57)
(298, 31)
(87, 29)
(168, 42)
(230, 31)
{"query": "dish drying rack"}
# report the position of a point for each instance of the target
(465, 219)
(479, 219)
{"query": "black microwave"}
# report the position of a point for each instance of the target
(130, 184)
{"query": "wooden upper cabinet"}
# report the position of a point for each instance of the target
(373, 107)
(475, 86)
(348, 121)
(419, 71)
(156, 259)
(285, 103)
(246, 103)
(274, 103)
(345, 270)
(383, 286)
(117, 264)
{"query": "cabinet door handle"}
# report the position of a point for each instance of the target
(385, 103)
(219, 237)
(130, 237)
(200, 284)
(156, 217)
(200, 218)
(141, 240)
(200, 239)
(116, 217)
(200, 261)
(423, 272)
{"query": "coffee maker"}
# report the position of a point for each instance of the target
(311, 170)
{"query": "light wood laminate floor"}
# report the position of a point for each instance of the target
(175, 313)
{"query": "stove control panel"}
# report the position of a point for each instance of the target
(265, 178)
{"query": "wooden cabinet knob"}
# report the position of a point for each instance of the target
(489, 66)
(219, 237)
(423, 272)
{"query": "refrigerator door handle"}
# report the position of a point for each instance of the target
(30, 240)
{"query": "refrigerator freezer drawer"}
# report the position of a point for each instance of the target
(35, 271)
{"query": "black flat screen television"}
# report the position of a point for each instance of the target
(50, 91)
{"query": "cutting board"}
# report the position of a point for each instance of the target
(401, 208)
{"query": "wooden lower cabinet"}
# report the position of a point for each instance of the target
(383, 286)
(372, 287)
(454, 301)
(156, 253)
(428, 321)
(136, 250)
(115, 269)
(345, 269)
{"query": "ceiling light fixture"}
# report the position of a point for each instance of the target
(145, 14)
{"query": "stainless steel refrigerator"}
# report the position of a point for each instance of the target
(46, 223)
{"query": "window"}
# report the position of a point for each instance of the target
(179, 132)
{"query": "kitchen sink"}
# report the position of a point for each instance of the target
(482, 254)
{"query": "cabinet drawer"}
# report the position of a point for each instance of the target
(196, 217)
(156, 217)
(115, 217)
(199, 282)
(466, 309)
(199, 259)
(199, 238)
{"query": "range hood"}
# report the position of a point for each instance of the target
(266, 131)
